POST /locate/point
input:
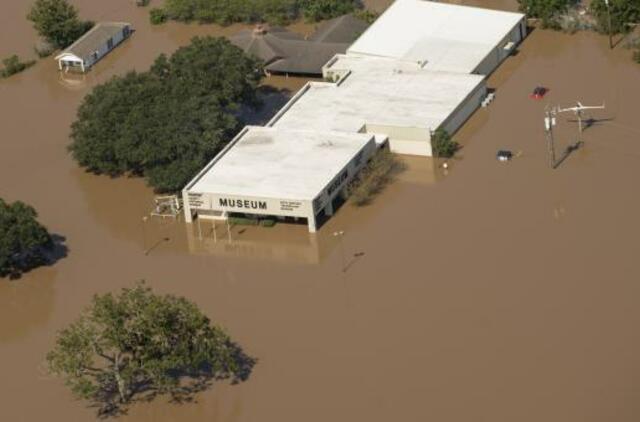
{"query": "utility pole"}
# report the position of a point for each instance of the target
(549, 123)
(609, 21)
(578, 110)
(339, 235)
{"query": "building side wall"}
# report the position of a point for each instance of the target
(499, 54)
(343, 177)
(404, 140)
(465, 109)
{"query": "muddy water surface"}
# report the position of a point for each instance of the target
(493, 292)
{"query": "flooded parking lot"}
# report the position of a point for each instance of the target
(494, 292)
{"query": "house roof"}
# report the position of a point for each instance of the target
(343, 29)
(287, 52)
(306, 57)
(93, 39)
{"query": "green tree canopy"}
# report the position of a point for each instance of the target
(137, 344)
(57, 21)
(23, 240)
(167, 123)
(272, 11)
(547, 11)
(442, 145)
(623, 13)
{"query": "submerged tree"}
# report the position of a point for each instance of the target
(548, 11)
(165, 124)
(624, 14)
(272, 11)
(138, 344)
(442, 145)
(57, 21)
(374, 177)
(24, 242)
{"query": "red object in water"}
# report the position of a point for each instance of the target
(538, 93)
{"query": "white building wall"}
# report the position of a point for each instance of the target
(404, 140)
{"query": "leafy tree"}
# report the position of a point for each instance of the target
(157, 16)
(272, 11)
(548, 11)
(373, 178)
(13, 65)
(23, 240)
(57, 21)
(167, 123)
(442, 144)
(138, 344)
(623, 13)
(317, 10)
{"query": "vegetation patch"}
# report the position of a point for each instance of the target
(24, 242)
(167, 123)
(57, 22)
(624, 14)
(373, 178)
(249, 221)
(157, 16)
(13, 65)
(442, 145)
(248, 11)
(548, 11)
(137, 345)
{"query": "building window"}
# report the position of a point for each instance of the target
(110, 43)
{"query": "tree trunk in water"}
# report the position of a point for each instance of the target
(119, 381)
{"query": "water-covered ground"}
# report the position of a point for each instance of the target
(494, 292)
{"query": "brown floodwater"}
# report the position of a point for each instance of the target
(492, 292)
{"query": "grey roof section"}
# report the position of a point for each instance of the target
(94, 38)
(307, 57)
(287, 52)
(343, 29)
(270, 45)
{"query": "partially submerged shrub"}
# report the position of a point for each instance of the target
(13, 65)
(548, 11)
(277, 12)
(157, 16)
(243, 221)
(366, 15)
(44, 48)
(442, 145)
(576, 20)
(377, 174)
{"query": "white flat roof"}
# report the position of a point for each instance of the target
(279, 163)
(378, 91)
(448, 37)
